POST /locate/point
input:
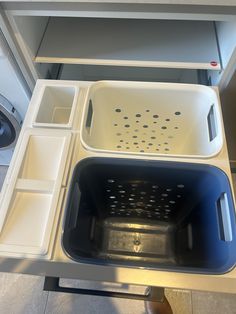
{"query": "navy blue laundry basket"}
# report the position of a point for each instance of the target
(153, 214)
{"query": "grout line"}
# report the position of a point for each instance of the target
(46, 303)
(191, 301)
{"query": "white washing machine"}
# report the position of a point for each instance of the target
(14, 100)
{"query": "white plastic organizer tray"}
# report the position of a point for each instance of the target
(56, 107)
(28, 208)
(179, 120)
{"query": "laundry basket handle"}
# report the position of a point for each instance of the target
(89, 116)
(224, 219)
(74, 202)
(211, 122)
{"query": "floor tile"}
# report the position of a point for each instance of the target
(22, 294)
(213, 303)
(180, 301)
(70, 304)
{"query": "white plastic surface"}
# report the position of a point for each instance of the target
(42, 158)
(25, 227)
(56, 107)
(28, 208)
(179, 120)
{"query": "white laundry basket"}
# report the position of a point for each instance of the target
(152, 118)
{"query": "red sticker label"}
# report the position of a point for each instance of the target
(214, 63)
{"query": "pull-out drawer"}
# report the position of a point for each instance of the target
(37, 187)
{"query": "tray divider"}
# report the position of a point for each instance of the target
(37, 186)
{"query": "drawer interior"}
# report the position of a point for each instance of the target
(134, 42)
(178, 45)
(85, 72)
(51, 38)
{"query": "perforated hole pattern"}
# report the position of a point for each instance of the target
(143, 199)
(145, 132)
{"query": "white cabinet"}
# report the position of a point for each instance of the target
(88, 42)
(172, 47)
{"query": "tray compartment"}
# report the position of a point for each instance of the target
(175, 216)
(56, 107)
(29, 208)
(152, 118)
(42, 157)
(26, 222)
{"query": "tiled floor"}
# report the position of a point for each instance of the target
(23, 294)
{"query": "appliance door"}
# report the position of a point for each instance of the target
(14, 99)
